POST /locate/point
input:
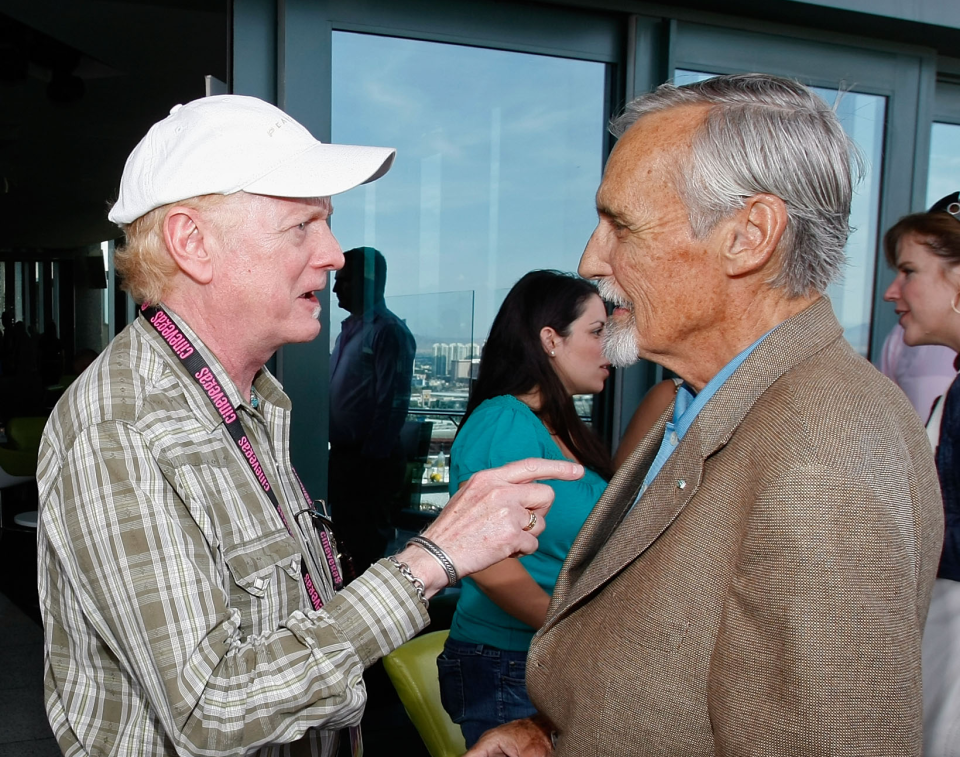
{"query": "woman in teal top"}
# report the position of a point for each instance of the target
(544, 347)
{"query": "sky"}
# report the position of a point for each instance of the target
(499, 156)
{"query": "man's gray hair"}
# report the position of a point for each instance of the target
(772, 135)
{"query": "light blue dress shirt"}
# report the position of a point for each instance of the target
(685, 410)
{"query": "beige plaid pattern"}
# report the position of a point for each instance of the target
(175, 616)
(767, 594)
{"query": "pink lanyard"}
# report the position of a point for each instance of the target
(198, 368)
(183, 348)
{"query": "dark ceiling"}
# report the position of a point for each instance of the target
(80, 83)
(82, 80)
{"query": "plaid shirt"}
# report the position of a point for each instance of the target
(175, 615)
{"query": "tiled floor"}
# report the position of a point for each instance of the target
(24, 731)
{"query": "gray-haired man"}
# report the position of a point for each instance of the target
(755, 579)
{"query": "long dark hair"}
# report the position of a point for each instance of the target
(514, 361)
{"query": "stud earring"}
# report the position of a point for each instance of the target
(554, 354)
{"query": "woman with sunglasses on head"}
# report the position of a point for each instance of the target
(924, 248)
(544, 347)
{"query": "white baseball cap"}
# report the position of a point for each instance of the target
(228, 143)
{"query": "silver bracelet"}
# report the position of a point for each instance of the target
(417, 583)
(439, 555)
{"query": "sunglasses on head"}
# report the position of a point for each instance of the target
(949, 204)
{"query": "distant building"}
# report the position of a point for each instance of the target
(464, 370)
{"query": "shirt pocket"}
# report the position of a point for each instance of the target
(257, 560)
(258, 564)
(264, 581)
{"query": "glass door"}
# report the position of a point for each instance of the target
(499, 156)
(943, 176)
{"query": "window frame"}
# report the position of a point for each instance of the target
(282, 51)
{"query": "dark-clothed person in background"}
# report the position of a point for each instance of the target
(51, 354)
(924, 248)
(756, 577)
(8, 350)
(191, 604)
(371, 370)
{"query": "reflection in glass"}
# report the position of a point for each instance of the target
(371, 372)
(441, 383)
(442, 373)
(499, 155)
(862, 117)
(944, 175)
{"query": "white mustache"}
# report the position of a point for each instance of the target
(612, 294)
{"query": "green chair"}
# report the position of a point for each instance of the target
(413, 671)
(24, 432)
(18, 465)
(18, 457)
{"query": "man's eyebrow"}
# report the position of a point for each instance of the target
(314, 213)
(606, 211)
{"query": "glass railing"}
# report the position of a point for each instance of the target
(446, 360)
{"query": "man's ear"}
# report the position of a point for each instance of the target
(183, 233)
(549, 339)
(755, 233)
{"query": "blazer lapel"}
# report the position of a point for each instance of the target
(614, 535)
(610, 508)
(632, 530)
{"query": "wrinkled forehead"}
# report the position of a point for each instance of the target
(652, 148)
(281, 209)
(324, 203)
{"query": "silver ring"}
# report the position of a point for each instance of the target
(532, 524)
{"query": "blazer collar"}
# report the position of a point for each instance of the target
(789, 344)
(603, 548)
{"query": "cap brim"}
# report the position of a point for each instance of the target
(324, 170)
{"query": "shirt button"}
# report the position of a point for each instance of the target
(673, 438)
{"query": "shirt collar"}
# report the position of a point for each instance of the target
(689, 403)
(266, 386)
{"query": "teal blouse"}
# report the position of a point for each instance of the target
(499, 431)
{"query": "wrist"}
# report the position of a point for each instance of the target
(424, 567)
(542, 723)
(429, 546)
(417, 584)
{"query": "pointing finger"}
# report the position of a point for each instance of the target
(535, 469)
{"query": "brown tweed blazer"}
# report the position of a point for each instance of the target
(767, 594)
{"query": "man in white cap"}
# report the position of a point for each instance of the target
(191, 595)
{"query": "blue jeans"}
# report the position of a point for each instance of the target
(482, 687)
